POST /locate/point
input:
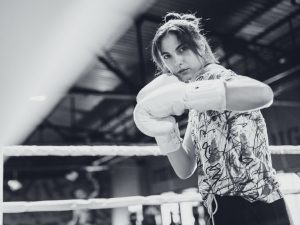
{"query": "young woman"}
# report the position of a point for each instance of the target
(226, 137)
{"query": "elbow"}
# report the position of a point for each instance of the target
(183, 175)
(266, 96)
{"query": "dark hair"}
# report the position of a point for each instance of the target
(188, 30)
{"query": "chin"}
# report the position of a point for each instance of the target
(187, 79)
(183, 79)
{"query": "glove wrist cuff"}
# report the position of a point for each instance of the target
(170, 142)
(206, 95)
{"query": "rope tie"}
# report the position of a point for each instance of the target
(209, 205)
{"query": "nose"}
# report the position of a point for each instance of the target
(178, 60)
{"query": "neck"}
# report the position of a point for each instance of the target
(202, 71)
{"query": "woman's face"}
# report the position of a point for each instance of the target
(179, 58)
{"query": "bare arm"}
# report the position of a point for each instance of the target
(242, 94)
(183, 163)
(184, 160)
(245, 94)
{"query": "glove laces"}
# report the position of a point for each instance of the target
(209, 202)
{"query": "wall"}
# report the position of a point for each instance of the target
(54, 189)
(283, 125)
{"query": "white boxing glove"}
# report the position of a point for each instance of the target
(146, 123)
(152, 126)
(169, 142)
(164, 130)
(174, 98)
(155, 84)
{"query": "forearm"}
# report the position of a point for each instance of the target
(182, 162)
(247, 94)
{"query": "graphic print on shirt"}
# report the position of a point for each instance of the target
(232, 149)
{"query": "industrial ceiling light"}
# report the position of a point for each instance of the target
(72, 176)
(282, 60)
(38, 98)
(14, 185)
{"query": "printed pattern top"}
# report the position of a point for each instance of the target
(232, 151)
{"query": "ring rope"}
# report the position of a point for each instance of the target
(97, 203)
(112, 150)
(65, 205)
(105, 203)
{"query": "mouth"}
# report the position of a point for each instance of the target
(183, 71)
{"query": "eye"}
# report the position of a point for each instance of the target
(183, 48)
(166, 56)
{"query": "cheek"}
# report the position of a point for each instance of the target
(191, 57)
(169, 64)
(198, 62)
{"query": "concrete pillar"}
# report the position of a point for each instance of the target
(125, 182)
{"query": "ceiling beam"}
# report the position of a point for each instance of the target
(100, 114)
(282, 75)
(107, 94)
(286, 86)
(287, 35)
(113, 115)
(132, 86)
(284, 81)
(275, 25)
(228, 38)
(139, 37)
(285, 103)
(259, 12)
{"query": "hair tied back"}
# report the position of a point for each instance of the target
(172, 16)
(187, 17)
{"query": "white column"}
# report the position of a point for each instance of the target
(1, 185)
(125, 182)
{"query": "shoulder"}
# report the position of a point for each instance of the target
(220, 72)
(216, 71)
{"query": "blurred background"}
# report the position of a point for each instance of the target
(70, 72)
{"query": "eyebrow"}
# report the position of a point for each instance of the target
(179, 46)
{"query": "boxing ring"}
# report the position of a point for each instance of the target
(102, 203)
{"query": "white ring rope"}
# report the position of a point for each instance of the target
(104, 203)
(112, 150)
(97, 203)
(65, 205)
(285, 149)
